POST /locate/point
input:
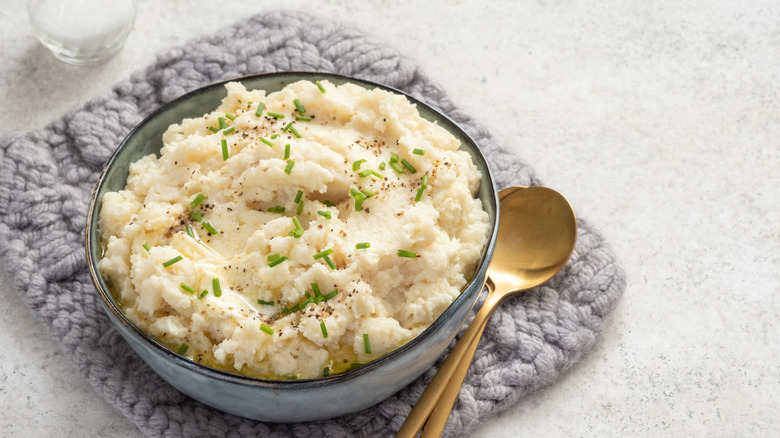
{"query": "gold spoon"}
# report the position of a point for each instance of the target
(536, 236)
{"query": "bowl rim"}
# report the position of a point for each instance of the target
(298, 384)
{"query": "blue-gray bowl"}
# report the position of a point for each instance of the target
(282, 400)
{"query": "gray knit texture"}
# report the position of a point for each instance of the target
(47, 178)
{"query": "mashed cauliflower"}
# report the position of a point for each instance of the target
(295, 234)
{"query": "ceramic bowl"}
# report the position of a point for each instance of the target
(281, 400)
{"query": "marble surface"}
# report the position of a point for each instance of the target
(658, 120)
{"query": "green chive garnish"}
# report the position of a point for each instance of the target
(355, 365)
(264, 302)
(366, 343)
(287, 126)
(406, 253)
(418, 151)
(210, 228)
(398, 169)
(325, 214)
(300, 209)
(364, 173)
(328, 203)
(362, 245)
(382, 165)
(298, 231)
(203, 294)
(275, 115)
(217, 288)
(359, 197)
(419, 194)
(356, 164)
(183, 349)
(146, 247)
(323, 253)
(394, 157)
(299, 106)
(267, 141)
(330, 263)
(277, 209)
(187, 288)
(222, 123)
(196, 215)
(260, 108)
(326, 370)
(298, 196)
(189, 231)
(178, 258)
(287, 151)
(303, 118)
(225, 155)
(330, 295)
(316, 289)
(265, 328)
(425, 181)
(198, 199)
(272, 257)
(368, 193)
(409, 166)
(277, 261)
(295, 132)
(213, 129)
(230, 116)
(377, 174)
(324, 329)
(289, 166)
(319, 85)
(275, 136)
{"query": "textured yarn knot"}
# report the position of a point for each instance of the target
(46, 179)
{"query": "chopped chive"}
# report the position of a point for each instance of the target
(213, 129)
(300, 209)
(299, 106)
(266, 329)
(298, 196)
(366, 343)
(298, 231)
(146, 247)
(272, 257)
(325, 214)
(196, 215)
(418, 151)
(324, 329)
(425, 181)
(198, 199)
(260, 108)
(382, 165)
(323, 253)
(230, 116)
(189, 231)
(406, 253)
(203, 294)
(409, 166)
(287, 151)
(394, 157)
(267, 141)
(398, 169)
(355, 365)
(316, 289)
(364, 173)
(302, 305)
(331, 294)
(222, 123)
(217, 288)
(326, 370)
(359, 202)
(229, 130)
(295, 132)
(328, 203)
(264, 302)
(210, 228)
(377, 174)
(275, 136)
(330, 263)
(368, 193)
(277, 261)
(178, 258)
(287, 127)
(362, 245)
(289, 166)
(225, 154)
(356, 164)
(275, 115)
(419, 194)
(303, 118)
(187, 288)
(183, 349)
(277, 209)
(319, 85)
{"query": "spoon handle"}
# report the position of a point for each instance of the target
(441, 380)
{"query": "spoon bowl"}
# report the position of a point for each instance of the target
(536, 236)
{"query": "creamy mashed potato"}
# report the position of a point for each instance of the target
(325, 232)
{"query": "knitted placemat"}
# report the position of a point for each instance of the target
(47, 177)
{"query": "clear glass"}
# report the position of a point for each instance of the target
(82, 31)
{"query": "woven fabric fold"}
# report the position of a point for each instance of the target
(47, 177)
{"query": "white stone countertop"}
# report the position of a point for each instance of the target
(660, 121)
